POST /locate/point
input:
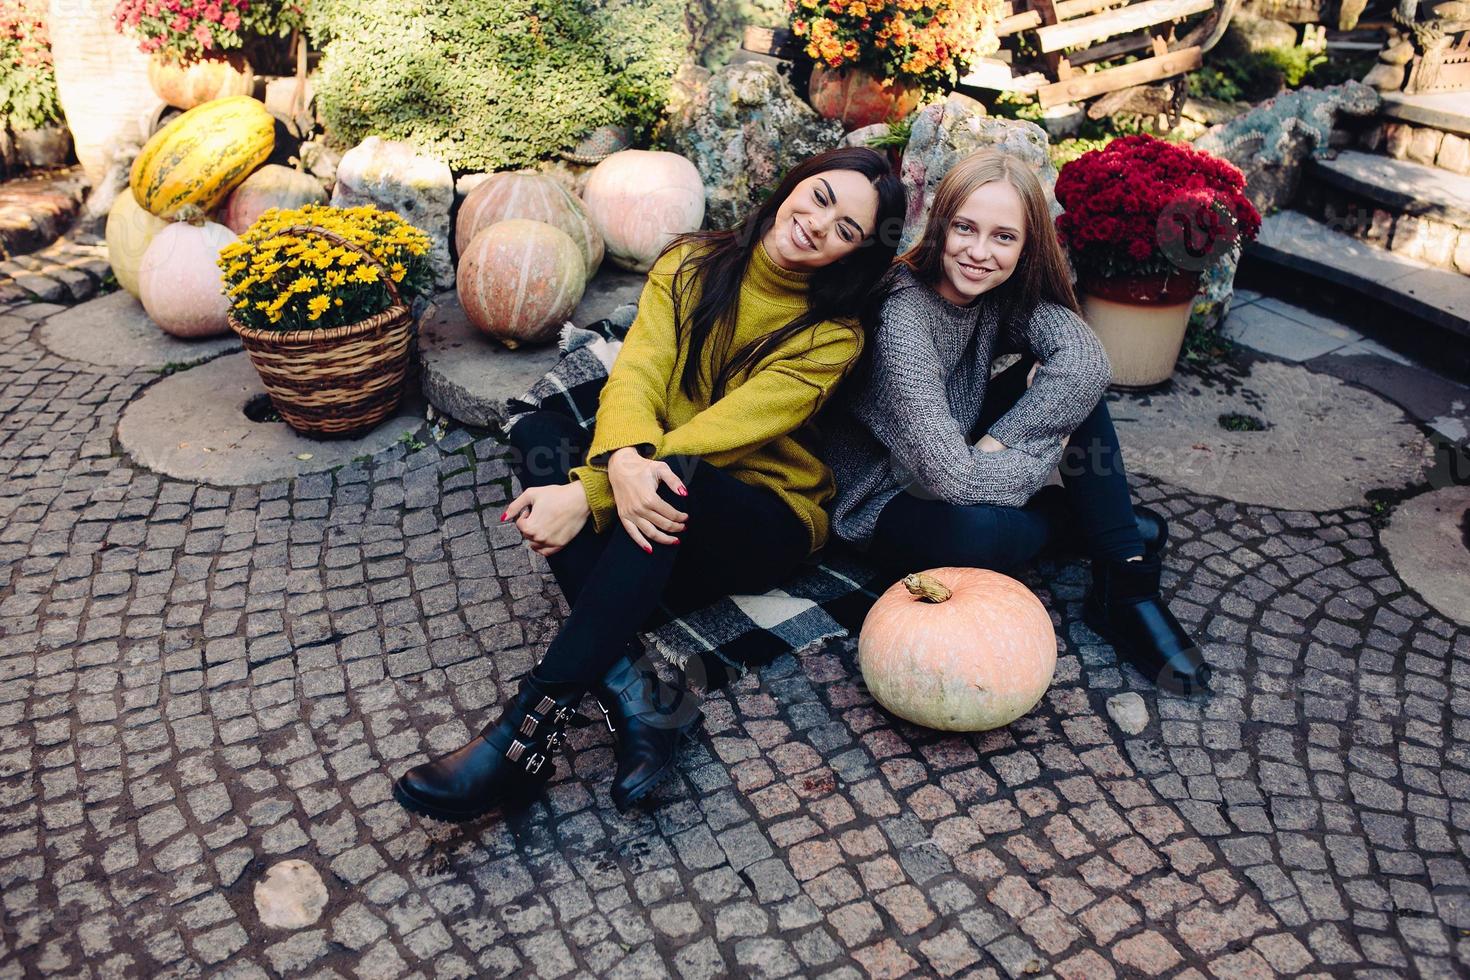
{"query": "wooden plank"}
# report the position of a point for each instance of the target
(1086, 30)
(1080, 86)
(1016, 23)
(776, 41)
(1067, 9)
(1016, 83)
(1111, 49)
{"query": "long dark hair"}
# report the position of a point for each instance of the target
(1041, 274)
(716, 264)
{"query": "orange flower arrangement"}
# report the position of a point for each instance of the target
(924, 41)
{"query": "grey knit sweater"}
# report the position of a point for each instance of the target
(905, 426)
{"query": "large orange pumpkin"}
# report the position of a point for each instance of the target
(531, 195)
(519, 280)
(639, 200)
(195, 81)
(958, 649)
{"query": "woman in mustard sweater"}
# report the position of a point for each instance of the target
(700, 479)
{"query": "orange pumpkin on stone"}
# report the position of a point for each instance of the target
(958, 649)
(519, 280)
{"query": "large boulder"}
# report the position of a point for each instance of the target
(743, 127)
(1272, 142)
(948, 131)
(395, 176)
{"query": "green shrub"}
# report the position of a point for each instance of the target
(491, 86)
(28, 98)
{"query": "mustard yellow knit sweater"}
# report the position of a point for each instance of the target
(755, 432)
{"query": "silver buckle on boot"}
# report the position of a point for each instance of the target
(516, 750)
(529, 724)
(534, 762)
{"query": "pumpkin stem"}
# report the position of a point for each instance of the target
(191, 214)
(924, 586)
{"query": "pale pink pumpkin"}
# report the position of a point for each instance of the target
(180, 282)
(535, 197)
(639, 200)
(958, 649)
(272, 186)
(519, 280)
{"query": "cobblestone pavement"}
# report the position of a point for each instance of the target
(196, 683)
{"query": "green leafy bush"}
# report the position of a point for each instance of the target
(28, 97)
(495, 85)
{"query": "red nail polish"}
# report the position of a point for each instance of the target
(683, 492)
(504, 516)
(648, 548)
(676, 541)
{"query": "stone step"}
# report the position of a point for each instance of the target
(1292, 241)
(1447, 111)
(1398, 186)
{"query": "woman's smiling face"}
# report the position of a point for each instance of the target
(984, 243)
(825, 218)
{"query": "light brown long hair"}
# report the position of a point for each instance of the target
(1041, 273)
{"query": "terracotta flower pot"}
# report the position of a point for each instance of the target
(1141, 321)
(857, 98)
(195, 81)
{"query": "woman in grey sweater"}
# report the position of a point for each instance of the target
(936, 463)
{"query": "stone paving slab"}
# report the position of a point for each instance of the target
(192, 425)
(34, 210)
(114, 331)
(1400, 186)
(1324, 445)
(198, 683)
(468, 377)
(1429, 542)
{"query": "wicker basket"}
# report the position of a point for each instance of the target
(340, 381)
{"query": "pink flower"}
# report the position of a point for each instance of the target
(202, 35)
(230, 21)
(212, 13)
(179, 23)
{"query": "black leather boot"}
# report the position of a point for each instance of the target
(649, 718)
(1124, 606)
(507, 764)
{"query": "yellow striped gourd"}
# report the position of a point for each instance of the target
(202, 155)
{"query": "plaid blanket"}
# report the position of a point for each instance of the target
(717, 643)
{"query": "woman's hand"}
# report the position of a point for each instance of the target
(990, 444)
(645, 515)
(549, 517)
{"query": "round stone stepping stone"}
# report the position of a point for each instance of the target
(1428, 540)
(114, 331)
(1325, 445)
(192, 426)
(469, 377)
(290, 896)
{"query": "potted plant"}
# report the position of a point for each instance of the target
(874, 58)
(29, 104)
(195, 45)
(320, 298)
(1143, 220)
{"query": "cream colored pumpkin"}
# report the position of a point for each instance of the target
(130, 229)
(975, 659)
(519, 280)
(639, 200)
(534, 196)
(180, 282)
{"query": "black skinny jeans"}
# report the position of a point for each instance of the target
(1094, 514)
(738, 539)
